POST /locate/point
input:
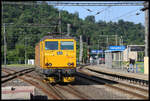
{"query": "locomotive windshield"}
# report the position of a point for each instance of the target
(51, 45)
(67, 45)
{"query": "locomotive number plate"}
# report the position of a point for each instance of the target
(59, 53)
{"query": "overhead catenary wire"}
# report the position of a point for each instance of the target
(103, 10)
(125, 14)
(88, 9)
(99, 11)
(135, 14)
(29, 25)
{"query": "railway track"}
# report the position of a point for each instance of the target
(125, 88)
(14, 74)
(69, 88)
(29, 79)
(121, 81)
(119, 77)
(52, 91)
(55, 91)
(72, 90)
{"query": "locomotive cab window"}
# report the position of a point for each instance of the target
(51, 45)
(67, 45)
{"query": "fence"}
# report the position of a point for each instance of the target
(117, 64)
(140, 67)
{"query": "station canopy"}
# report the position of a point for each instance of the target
(137, 47)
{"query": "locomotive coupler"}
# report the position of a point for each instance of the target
(59, 75)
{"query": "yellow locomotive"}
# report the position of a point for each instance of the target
(56, 56)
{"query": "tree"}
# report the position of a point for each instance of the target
(22, 15)
(90, 19)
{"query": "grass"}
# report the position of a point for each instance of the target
(139, 62)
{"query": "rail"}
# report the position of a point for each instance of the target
(50, 90)
(121, 77)
(118, 85)
(36, 82)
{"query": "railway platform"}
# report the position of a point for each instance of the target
(17, 92)
(120, 72)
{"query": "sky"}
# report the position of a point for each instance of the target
(113, 13)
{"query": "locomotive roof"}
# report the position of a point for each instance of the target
(56, 37)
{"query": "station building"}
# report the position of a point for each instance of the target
(135, 52)
(116, 55)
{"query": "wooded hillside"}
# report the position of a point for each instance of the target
(31, 23)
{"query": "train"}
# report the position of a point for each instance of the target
(55, 57)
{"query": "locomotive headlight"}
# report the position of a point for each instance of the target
(46, 64)
(69, 64)
(49, 64)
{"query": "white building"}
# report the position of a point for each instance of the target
(129, 54)
(31, 62)
(132, 52)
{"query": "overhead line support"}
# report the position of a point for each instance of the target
(79, 4)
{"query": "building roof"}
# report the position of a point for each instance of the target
(114, 50)
(135, 45)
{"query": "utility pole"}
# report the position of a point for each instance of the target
(116, 39)
(98, 52)
(107, 39)
(121, 40)
(146, 31)
(121, 55)
(88, 48)
(146, 58)
(68, 29)
(81, 49)
(107, 42)
(25, 51)
(146, 6)
(5, 47)
(59, 22)
(88, 53)
(97, 49)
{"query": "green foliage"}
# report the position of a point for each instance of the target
(90, 19)
(21, 38)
